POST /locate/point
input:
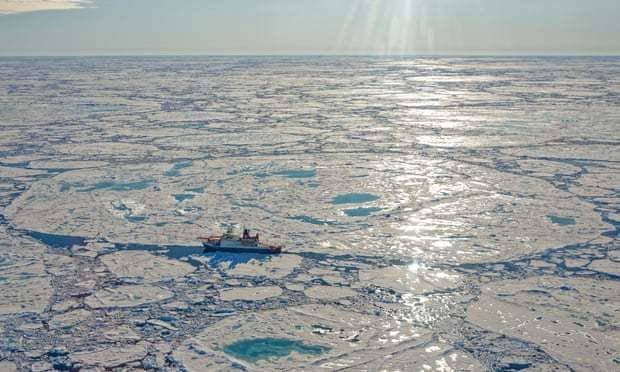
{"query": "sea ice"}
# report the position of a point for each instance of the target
(250, 293)
(542, 310)
(145, 266)
(127, 296)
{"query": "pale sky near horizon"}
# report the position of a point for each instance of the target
(384, 27)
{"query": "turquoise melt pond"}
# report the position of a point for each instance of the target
(312, 220)
(177, 168)
(115, 186)
(362, 211)
(297, 173)
(563, 221)
(354, 198)
(266, 348)
(183, 197)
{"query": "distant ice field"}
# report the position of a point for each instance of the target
(447, 204)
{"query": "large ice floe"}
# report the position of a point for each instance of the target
(25, 284)
(311, 337)
(145, 266)
(438, 214)
(127, 296)
(570, 319)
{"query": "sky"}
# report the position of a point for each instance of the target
(382, 27)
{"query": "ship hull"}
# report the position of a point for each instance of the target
(238, 249)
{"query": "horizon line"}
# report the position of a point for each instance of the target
(327, 54)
